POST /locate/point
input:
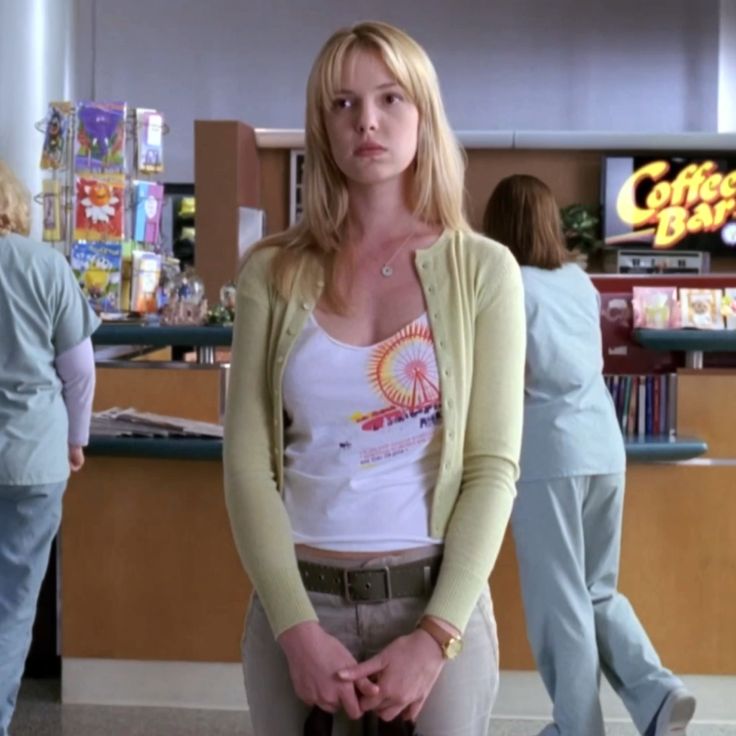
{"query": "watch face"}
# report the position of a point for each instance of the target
(453, 647)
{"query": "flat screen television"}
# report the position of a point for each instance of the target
(670, 202)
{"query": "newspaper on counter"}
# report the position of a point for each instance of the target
(116, 422)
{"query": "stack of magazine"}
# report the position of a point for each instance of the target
(115, 422)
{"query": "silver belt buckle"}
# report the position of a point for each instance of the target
(347, 585)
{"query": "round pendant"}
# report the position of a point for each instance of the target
(387, 271)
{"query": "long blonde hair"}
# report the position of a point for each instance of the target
(15, 203)
(437, 192)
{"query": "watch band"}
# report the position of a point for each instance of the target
(450, 644)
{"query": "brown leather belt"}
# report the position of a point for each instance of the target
(372, 584)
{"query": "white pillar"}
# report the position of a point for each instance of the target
(36, 66)
(727, 67)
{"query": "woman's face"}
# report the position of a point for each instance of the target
(372, 125)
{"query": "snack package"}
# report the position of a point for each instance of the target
(701, 308)
(655, 307)
(729, 307)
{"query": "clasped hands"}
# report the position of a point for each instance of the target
(395, 682)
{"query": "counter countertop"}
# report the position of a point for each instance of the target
(650, 449)
(162, 335)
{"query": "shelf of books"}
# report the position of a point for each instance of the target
(653, 328)
(646, 408)
(645, 405)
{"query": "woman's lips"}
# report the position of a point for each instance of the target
(369, 149)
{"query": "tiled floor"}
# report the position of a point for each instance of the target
(39, 713)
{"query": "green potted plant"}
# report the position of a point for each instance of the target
(580, 226)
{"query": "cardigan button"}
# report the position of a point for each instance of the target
(306, 305)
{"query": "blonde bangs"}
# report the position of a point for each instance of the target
(330, 71)
(328, 77)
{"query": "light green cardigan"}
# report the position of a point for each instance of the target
(474, 297)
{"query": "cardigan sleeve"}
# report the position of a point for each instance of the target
(492, 443)
(258, 518)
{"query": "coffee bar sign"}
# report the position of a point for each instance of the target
(699, 199)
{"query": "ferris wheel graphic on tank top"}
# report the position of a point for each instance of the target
(403, 368)
(403, 371)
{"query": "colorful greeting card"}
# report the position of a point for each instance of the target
(52, 221)
(149, 140)
(149, 199)
(145, 281)
(100, 139)
(99, 210)
(729, 307)
(701, 308)
(56, 139)
(97, 268)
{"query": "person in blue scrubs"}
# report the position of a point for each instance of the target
(46, 387)
(568, 512)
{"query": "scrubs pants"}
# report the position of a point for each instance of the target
(567, 533)
(29, 520)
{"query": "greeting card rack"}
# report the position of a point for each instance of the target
(100, 197)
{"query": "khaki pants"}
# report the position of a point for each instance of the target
(459, 704)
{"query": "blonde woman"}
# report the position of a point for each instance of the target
(46, 386)
(374, 416)
(567, 517)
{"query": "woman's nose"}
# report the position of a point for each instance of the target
(367, 118)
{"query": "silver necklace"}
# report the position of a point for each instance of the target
(387, 270)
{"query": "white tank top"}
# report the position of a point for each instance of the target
(362, 439)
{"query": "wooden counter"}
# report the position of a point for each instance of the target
(150, 571)
(678, 569)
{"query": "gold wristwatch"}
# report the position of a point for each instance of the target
(449, 644)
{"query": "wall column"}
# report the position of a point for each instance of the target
(36, 67)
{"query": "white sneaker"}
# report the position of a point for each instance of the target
(675, 713)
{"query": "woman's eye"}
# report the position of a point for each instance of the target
(342, 103)
(393, 97)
